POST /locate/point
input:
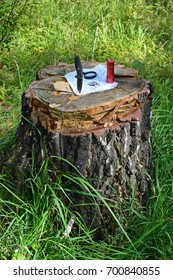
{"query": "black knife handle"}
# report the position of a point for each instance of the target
(78, 66)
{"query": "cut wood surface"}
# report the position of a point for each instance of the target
(62, 68)
(51, 99)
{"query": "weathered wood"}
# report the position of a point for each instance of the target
(105, 135)
(72, 114)
(63, 68)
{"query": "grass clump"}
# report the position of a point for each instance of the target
(137, 34)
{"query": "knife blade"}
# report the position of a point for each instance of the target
(79, 71)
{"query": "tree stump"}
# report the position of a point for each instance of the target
(105, 135)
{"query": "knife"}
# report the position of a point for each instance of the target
(79, 71)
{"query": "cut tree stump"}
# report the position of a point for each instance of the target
(105, 135)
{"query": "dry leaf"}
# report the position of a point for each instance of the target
(62, 86)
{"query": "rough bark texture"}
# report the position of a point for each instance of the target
(106, 136)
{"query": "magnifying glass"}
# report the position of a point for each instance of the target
(90, 75)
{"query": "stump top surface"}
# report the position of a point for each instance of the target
(68, 102)
(64, 101)
(67, 106)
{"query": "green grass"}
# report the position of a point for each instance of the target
(137, 34)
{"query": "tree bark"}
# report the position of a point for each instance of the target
(105, 135)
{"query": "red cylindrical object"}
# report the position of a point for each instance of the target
(110, 71)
